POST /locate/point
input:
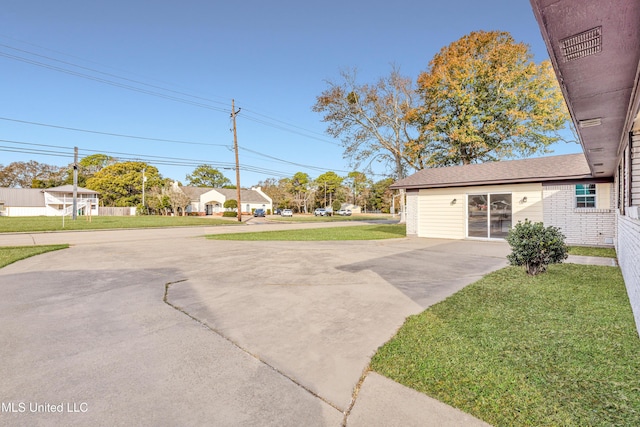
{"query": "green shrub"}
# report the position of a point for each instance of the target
(230, 214)
(141, 209)
(231, 204)
(535, 246)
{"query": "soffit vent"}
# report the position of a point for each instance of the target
(590, 122)
(583, 44)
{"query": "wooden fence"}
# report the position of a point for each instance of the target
(113, 211)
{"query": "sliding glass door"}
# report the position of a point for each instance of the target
(500, 215)
(488, 215)
(477, 206)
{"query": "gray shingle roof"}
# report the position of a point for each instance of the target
(22, 197)
(194, 193)
(246, 196)
(69, 189)
(34, 197)
(541, 169)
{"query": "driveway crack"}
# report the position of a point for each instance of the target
(354, 395)
(165, 299)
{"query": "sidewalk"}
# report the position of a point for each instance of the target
(591, 260)
(384, 402)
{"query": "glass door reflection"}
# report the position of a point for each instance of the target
(500, 215)
(477, 215)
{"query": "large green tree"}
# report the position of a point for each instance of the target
(157, 201)
(277, 190)
(329, 186)
(207, 176)
(357, 183)
(484, 99)
(299, 188)
(120, 184)
(89, 166)
(380, 198)
(31, 174)
(371, 119)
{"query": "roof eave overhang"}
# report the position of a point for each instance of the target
(571, 178)
(602, 86)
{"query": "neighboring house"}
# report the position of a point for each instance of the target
(483, 201)
(210, 201)
(47, 201)
(355, 209)
(594, 47)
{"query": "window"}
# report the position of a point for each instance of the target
(585, 196)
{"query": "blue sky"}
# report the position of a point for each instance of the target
(187, 60)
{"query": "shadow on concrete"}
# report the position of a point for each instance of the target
(429, 275)
(104, 343)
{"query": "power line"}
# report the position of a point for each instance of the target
(271, 121)
(112, 83)
(275, 126)
(33, 151)
(317, 168)
(93, 62)
(288, 162)
(252, 116)
(110, 74)
(114, 134)
(154, 160)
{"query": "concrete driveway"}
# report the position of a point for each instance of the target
(162, 327)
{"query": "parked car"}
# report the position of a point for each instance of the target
(287, 212)
(322, 212)
(277, 211)
(344, 212)
(259, 212)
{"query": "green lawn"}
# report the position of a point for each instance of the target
(591, 251)
(44, 223)
(11, 254)
(558, 349)
(357, 232)
(313, 218)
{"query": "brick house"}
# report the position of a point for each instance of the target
(594, 47)
(483, 201)
(210, 201)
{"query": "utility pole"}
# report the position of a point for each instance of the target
(235, 147)
(325, 194)
(75, 183)
(144, 179)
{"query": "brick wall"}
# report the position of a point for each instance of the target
(590, 227)
(635, 170)
(628, 251)
(412, 212)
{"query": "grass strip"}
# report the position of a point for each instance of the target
(358, 232)
(333, 218)
(513, 350)
(11, 254)
(43, 223)
(592, 251)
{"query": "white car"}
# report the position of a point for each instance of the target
(344, 212)
(287, 212)
(322, 212)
